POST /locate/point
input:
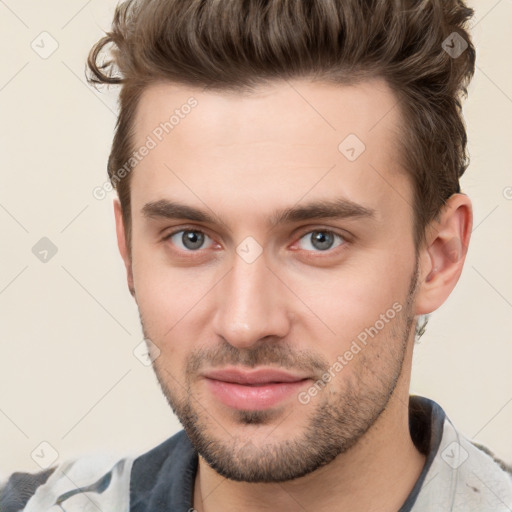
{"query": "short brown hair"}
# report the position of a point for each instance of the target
(237, 45)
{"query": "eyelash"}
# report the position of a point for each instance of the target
(330, 251)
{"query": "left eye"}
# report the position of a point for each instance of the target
(320, 240)
(190, 240)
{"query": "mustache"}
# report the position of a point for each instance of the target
(270, 353)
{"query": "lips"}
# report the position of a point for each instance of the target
(258, 389)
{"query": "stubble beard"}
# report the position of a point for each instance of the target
(334, 425)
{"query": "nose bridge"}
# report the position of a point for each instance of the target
(250, 303)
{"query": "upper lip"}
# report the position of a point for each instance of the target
(253, 377)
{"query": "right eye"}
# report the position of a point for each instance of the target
(188, 240)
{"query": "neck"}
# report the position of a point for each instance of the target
(377, 473)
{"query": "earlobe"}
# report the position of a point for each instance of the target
(122, 245)
(443, 254)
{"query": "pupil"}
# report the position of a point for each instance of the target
(322, 240)
(192, 239)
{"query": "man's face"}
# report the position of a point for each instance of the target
(281, 338)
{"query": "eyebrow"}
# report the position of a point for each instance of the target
(322, 209)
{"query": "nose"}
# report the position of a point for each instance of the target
(251, 304)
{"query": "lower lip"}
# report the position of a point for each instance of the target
(254, 398)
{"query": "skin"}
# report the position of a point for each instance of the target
(241, 157)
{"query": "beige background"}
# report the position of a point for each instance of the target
(68, 376)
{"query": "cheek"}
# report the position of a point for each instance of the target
(172, 307)
(354, 299)
(159, 295)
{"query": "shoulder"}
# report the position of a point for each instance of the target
(163, 475)
(503, 465)
(98, 479)
(466, 475)
(19, 488)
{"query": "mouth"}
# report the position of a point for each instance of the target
(254, 390)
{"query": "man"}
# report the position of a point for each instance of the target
(289, 212)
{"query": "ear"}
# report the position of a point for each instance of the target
(443, 254)
(121, 243)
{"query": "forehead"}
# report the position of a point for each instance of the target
(286, 140)
(292, 110)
